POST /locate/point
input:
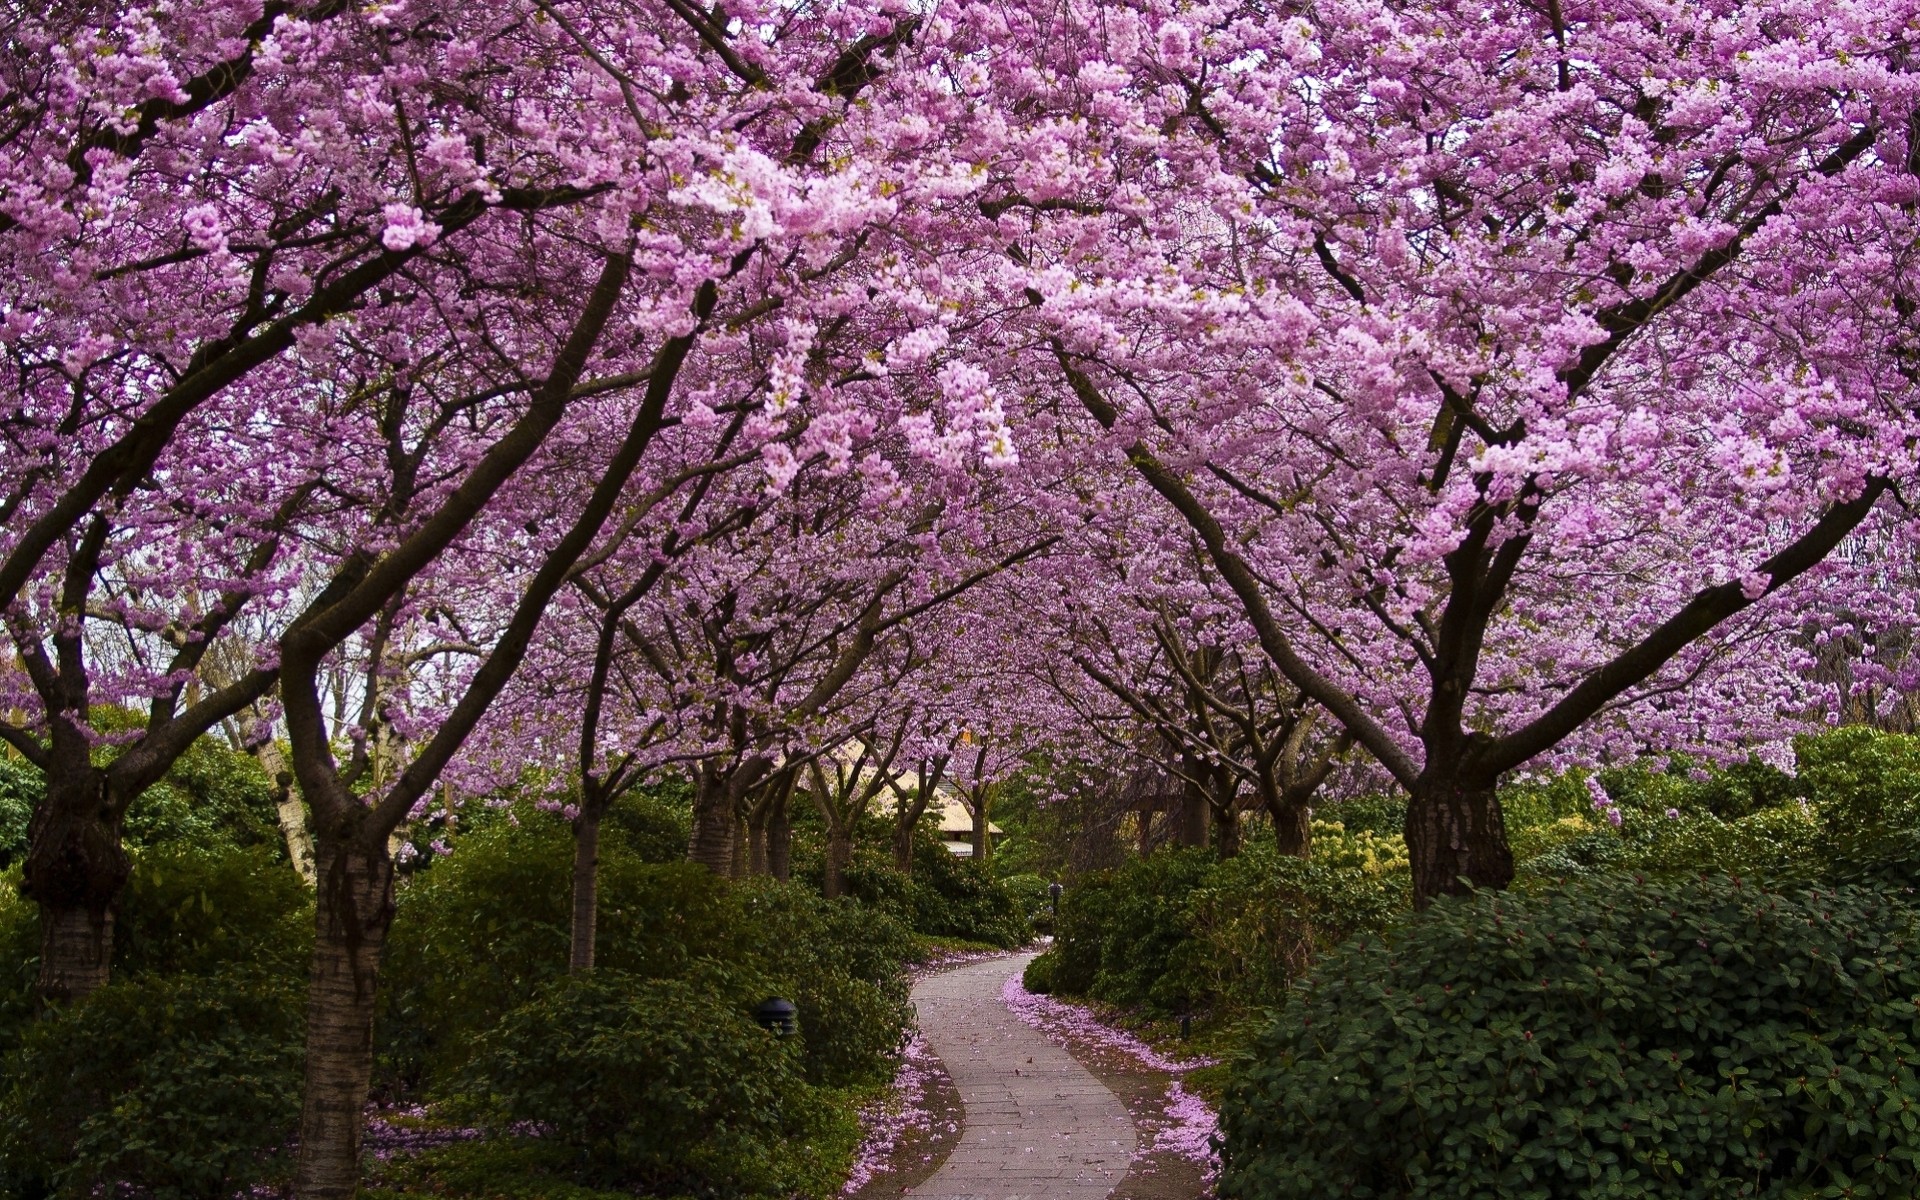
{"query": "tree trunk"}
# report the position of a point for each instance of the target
(982, 838)
(352, 913)
(292, 810)
(1192, 830)
(839, 858)
(1456, 838)
(903, 847)
(757, 839)
(780, 838)
(75, 870)
(737, 867)
(586, 889)
(713, 822)
(1145, 838)
(1292, 828)
(1226, 830)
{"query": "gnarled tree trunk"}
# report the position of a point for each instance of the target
(1456, 837)
(1292, 827)
(352, 913)
(75, 871)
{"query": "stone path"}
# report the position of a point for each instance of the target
(1037, 1124)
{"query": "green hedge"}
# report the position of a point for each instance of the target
(182, 1087)
(665, 1083)
(1179, 931)
(1618, 1037)
(482, 931)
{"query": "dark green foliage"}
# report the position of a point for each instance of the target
(1032, 900)
(507, 889)
(20, 789)
(1179, 931)
(1867, 788)
(183, 1087)
(195, 910)
(946, 896)
(1382, 815)
(662, 1082)
(211, 795)
(1690, 1038)
(1146, 954)
(19, 959)
(655, 823)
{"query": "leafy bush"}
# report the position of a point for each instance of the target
(182, 1087)
(1179, 931)
(506, 888)
(1264, 919)
(665, 1083)
(946, 896)
(198, 909)
(20, 789)
(1614, 1038)
(19, 959)
(1866, 786)
(1032, 900)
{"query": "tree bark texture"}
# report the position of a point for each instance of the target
(713, 822)
(903, 848)
(780, 839)
(291, 809)
(586, 890)
(75, 871)
(352, 913)
(982, 838)
(1456, 838)
(1292, 828)
(1226, 830)
(839, 858)
(757, 842)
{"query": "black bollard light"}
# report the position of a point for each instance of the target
(778, 1017)
(1186, 1026)
(1053, 893)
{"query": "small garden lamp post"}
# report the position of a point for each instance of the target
(777, 1016)
(1053, 893)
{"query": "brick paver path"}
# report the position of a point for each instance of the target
(1036, 1124)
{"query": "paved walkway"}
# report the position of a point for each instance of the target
(1037, 1124)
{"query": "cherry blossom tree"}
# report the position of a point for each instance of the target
(1518, 368)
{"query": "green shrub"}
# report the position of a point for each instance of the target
(506, 888)
(211, 796)
(844, 966)
(946, 896)
(1038, 977)
(183, 1087)
(1263, 919)
(20, 789)
(1032, 900)
(1178, 931)
(1866, 787)
(665, 1083)
(198, 909)
(654, 823)
(1619, 1037)
(19, 959)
